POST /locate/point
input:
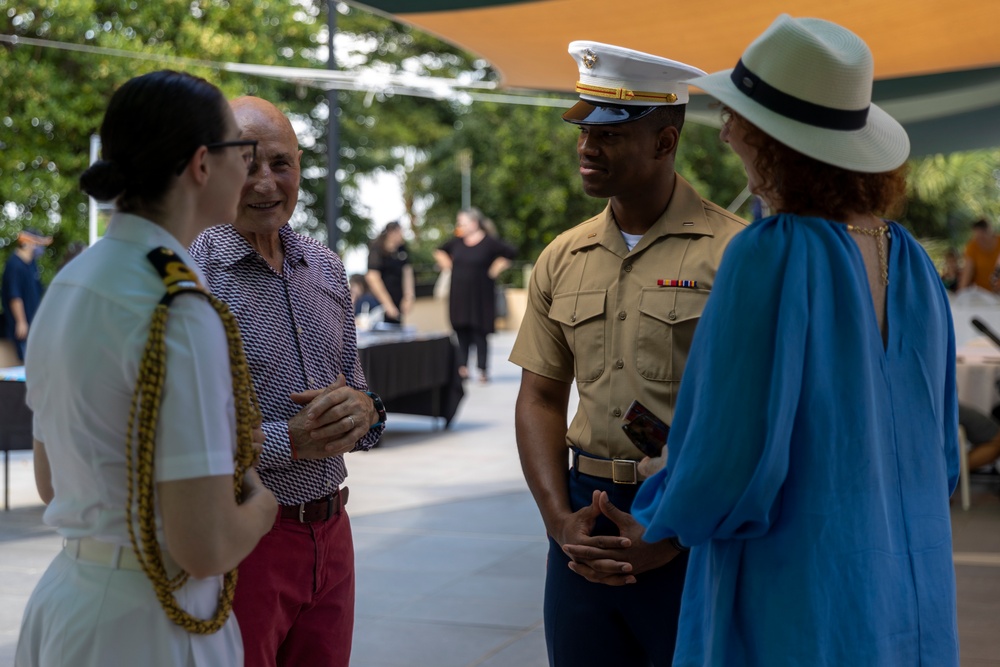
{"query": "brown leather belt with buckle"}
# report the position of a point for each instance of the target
(320, 509)
(620, 471)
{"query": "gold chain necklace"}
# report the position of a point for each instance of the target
(879, 234)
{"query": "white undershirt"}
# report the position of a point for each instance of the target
(631, 240)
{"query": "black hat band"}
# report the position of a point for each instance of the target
(792, 107)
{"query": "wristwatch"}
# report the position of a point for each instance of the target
(379, 408)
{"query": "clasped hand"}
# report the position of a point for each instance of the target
(614, 560)
(331, 423)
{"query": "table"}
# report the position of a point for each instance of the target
(973, 303)
(414, 373)
(977, 372)
(15, 422)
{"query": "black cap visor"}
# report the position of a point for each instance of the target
(585, 113)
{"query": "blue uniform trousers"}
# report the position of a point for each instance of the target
(588, 624)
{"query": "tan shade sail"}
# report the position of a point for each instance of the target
(526, 41)
(936, 61)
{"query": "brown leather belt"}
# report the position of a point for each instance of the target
(320, 509)
(620, 471)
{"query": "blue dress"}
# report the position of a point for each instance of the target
(810, 467)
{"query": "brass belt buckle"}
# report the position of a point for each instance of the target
(623, 471)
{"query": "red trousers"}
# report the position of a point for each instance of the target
(295, 595)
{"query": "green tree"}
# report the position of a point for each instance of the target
(380, 131)
(711, 166)
(53, 99)
(948, 192)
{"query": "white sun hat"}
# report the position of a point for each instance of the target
(808, 84)
(619, 85)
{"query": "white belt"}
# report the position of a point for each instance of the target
(89, 550)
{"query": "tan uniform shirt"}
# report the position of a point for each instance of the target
(596, 313)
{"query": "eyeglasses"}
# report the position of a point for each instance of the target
(249, 157)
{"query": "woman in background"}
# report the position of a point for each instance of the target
(475, 259)
(133, 521)
(390, 274)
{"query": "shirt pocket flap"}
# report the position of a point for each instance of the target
(673, 305)
(577, 307)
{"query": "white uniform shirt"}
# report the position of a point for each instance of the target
(81, 366)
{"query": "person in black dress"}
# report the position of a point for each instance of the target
(390, 275)
(475, 259)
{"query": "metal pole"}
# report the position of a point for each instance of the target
(95, 152)
(332, 140)
(465, 165)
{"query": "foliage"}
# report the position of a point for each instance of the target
(710, 166)
(379, 131)
(53, 100)
(946, 193)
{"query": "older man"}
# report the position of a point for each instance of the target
(295, 598)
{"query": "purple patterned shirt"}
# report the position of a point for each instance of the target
(298, 331)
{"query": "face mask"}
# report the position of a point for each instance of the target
(37, 252)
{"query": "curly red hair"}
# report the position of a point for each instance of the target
(806, 186)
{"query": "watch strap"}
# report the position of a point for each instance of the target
(379, 408)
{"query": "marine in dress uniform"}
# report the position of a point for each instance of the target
(613, 305)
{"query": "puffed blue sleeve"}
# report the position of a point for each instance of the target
(729, 443)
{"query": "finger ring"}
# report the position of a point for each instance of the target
(352, 422)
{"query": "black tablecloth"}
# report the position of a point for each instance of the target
(15, 417)
(15, 428)
(414, 374)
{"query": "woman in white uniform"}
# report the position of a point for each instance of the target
(174, 165)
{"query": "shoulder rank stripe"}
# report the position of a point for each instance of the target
(677, 283)
(176, 275)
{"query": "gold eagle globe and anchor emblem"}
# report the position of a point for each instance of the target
(589, 59)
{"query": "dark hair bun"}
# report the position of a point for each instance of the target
(104, 180)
